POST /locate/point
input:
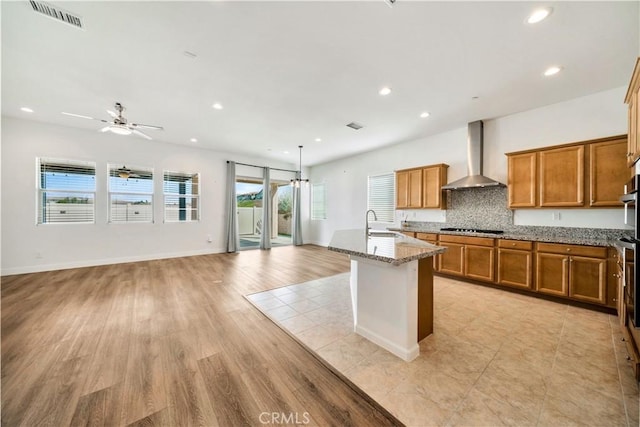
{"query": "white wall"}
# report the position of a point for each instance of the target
(599, 115)
(27, 247)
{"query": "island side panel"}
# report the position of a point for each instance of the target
(387, 305)
(425, 298)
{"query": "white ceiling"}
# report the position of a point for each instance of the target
(289, 72)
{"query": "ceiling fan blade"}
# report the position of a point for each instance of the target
(138, 125)
(84, 117)
(112, 114)
(79, 115)
(137, 132)
(104, 129)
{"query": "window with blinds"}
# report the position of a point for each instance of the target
(66, 191)
(181, 196)
(318, 201)
(381, 196)
(130, 194)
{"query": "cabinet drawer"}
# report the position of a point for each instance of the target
(409, 233)
(557, 248)
(467, 240)
(515, 244)
(427, 236)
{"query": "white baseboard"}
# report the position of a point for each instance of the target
(104, 261)
(407, 354)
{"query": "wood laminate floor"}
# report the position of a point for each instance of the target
(168, 342)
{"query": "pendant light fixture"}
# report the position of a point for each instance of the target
(298, 180)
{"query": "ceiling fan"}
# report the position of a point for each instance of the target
(119, 125)
(125, 173)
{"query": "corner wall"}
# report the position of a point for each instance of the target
(27, 247)
(595, 116)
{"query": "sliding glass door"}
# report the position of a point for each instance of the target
(250, 194)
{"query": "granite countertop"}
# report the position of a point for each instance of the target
(541, 236)
(395, 249)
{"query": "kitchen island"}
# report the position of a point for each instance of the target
(391, 287)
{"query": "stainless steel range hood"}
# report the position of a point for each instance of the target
(475, 146)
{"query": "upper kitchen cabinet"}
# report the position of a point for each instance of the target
(409, 189)
(420, 188)
(433, 178)
(562, 177)
(522, 180)
(633, 142)
(607, 176)
(584, 174)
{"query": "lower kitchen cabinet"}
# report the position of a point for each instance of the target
(471, 257)
(452, 261)
(433, 239)
(515, 263)
(578, 272)
(588, 279)
(478, 262)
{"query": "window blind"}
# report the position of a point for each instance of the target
(181, 196)
(381, 196)
(318, 201)
(66, 191)
(130, 194)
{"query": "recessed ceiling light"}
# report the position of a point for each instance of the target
(318, 139)
(217, 106)
(285, 152)
(552, 70)
(385, 91)
(539, 15)
(26, 109)
(193, 140)
(424, 114)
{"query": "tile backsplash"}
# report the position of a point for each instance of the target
(484, 208)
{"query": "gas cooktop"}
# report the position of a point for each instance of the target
(473, 230)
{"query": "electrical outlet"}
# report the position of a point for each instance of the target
(209, 239)
(555, 216)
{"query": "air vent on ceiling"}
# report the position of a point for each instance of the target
(56, 13)
(354, 125)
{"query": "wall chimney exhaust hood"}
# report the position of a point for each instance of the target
(475, 146)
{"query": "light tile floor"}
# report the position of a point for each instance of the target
(495, 358)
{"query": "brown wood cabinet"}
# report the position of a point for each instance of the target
(561, 174)
(471, 257)
(421, 188)
(631, 99)
(578, 272)
(433, 178)
(409, 189)
(451, 261)
(607, 176)
(515, 263)
(433, 239)
(584, 174)
(522, 180)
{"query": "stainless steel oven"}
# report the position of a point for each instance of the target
(629, 199)
(628, 255)
(627, 260)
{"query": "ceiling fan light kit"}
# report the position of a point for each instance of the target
(119, 125)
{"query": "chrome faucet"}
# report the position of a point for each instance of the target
(375, 218)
